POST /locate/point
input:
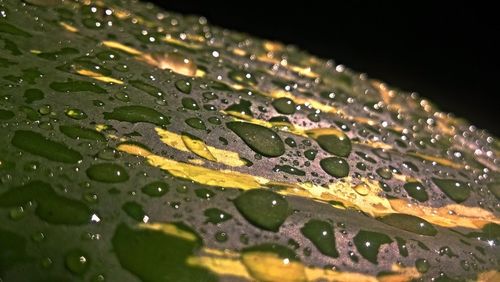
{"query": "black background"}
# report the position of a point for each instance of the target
(446, 53)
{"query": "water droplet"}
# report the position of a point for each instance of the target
(214, 120)
(456, 190)
(108, 55)
(142, 250)
(422, 265)
(337, 143)
(447, 251)
(290, 142)
(363, 189)
(37, 144)
(190, 104)
(409, 223)
(368, 244)
(403, 251)
(196, 123)
(46, 262)
(310, 154)
(416, 190)
(410, 166)
(210, 96)
(242, 77)
(147, 88)
(98, 278)
(314, 117)
(289, 169)
(260, 139)
(107, 172)
(75, 114)
(284, 106)
(336, 167)
(17, 213)
(183, 85)
(51, 207)
(135, 211)
(138, 114)
(221, 236)
(384, 172)
(45, 109)
(155, 189)
(242, 108)
(108, 154)
(204, 193)
(210, 108)
(92, 23)
(263, 208)
(121, 96)
(216, 216)
(77, 132)
(77, 261)
(273, 262)
(321, 234)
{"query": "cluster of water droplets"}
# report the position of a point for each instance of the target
(81, 80)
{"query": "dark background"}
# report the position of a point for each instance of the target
(446, 53)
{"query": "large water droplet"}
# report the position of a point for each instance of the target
(77, 132)
(183, 85)
(260, 139)
(416, 190)
(284, 106)
(456, 190)
(138, 114)
(37, 144)
(142, 251)
(321, 234)
(273, 262)
(409, 223)
(147, 88)
(263, 208)
(384, 172)
(422, 265)
(336, 167)
(190, 104)
(368, 244)
(51, 207)
(242, 108)
(336, 142)
(107, 172)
